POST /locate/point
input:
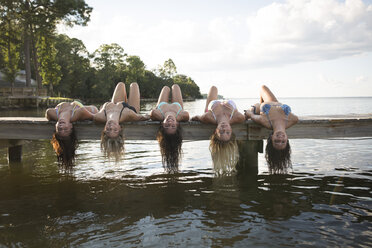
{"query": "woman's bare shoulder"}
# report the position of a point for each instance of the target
(237, 118)
(156, 115)
(51, 114)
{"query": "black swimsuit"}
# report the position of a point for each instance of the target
(125, 105)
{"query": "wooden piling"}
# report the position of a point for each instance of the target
(14, 154)
(248, 155)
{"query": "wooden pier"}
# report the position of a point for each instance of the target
(15, 130)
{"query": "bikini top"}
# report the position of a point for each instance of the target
(162, 103)
(213, 104)
(266, 109)
(76, 104)
(125, 105)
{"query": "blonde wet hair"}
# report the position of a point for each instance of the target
(225, 154)
(112, 147)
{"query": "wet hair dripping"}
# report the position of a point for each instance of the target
(112, 147)
(65, 148)
(170, 148)
(225, 154)
(278, 160)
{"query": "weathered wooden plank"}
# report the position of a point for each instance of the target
(313, 127)
(321, 127)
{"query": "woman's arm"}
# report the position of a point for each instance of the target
(292, 119)
(155, 115)
(91, 108)
(256, 108)
(237, 118)
(257, 118)
(183, 116)
(84, 113)
(206, 118)
(100, 117)
(262, 120)
(51, 114)
(132, 116)
(248, 114)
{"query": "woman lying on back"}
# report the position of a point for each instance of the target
(169, 134)
(119, 110)
(276, 116)
(223, 146)
(64, 139)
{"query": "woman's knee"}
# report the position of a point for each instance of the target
(213, 91)
(264, 88)
(176, 87)
(166, 88)
(120, 84)
(134, 85)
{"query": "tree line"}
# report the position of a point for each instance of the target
(29, 41)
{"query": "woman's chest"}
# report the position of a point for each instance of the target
(169, 108)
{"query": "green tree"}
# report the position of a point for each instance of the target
(37, 19)
(135, 69)
(9, 40)
(168, 70)
(49, 69)
(110, 65)
(189, 88)
(73, 58)
(151, 85)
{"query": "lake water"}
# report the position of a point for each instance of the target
(325, 201)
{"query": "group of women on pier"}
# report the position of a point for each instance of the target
(269, 112)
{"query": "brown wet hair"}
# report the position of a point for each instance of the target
(170, 148)
(279, 161)
(65, 148)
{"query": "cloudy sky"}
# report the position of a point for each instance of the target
(299, 48)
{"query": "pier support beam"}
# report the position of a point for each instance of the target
(14, 149)
(248, 155)
(14, 154)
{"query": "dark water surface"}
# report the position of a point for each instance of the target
(325, 201)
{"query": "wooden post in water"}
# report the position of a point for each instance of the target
(14, 154)
(248, 155)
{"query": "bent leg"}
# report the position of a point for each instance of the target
(120, 94)
(266, 95)
(134, 96)
(164, 95)
(212, 95)
(176, 94)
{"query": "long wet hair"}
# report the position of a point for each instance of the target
(225, 154)
(170, 148)
(65, 148)
(278, 160)
(112, 147)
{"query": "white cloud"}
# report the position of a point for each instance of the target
(303, 30)
(246, 50)
(278, 34)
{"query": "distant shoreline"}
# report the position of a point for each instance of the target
(27, 102)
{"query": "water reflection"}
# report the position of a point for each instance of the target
(183, 208)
